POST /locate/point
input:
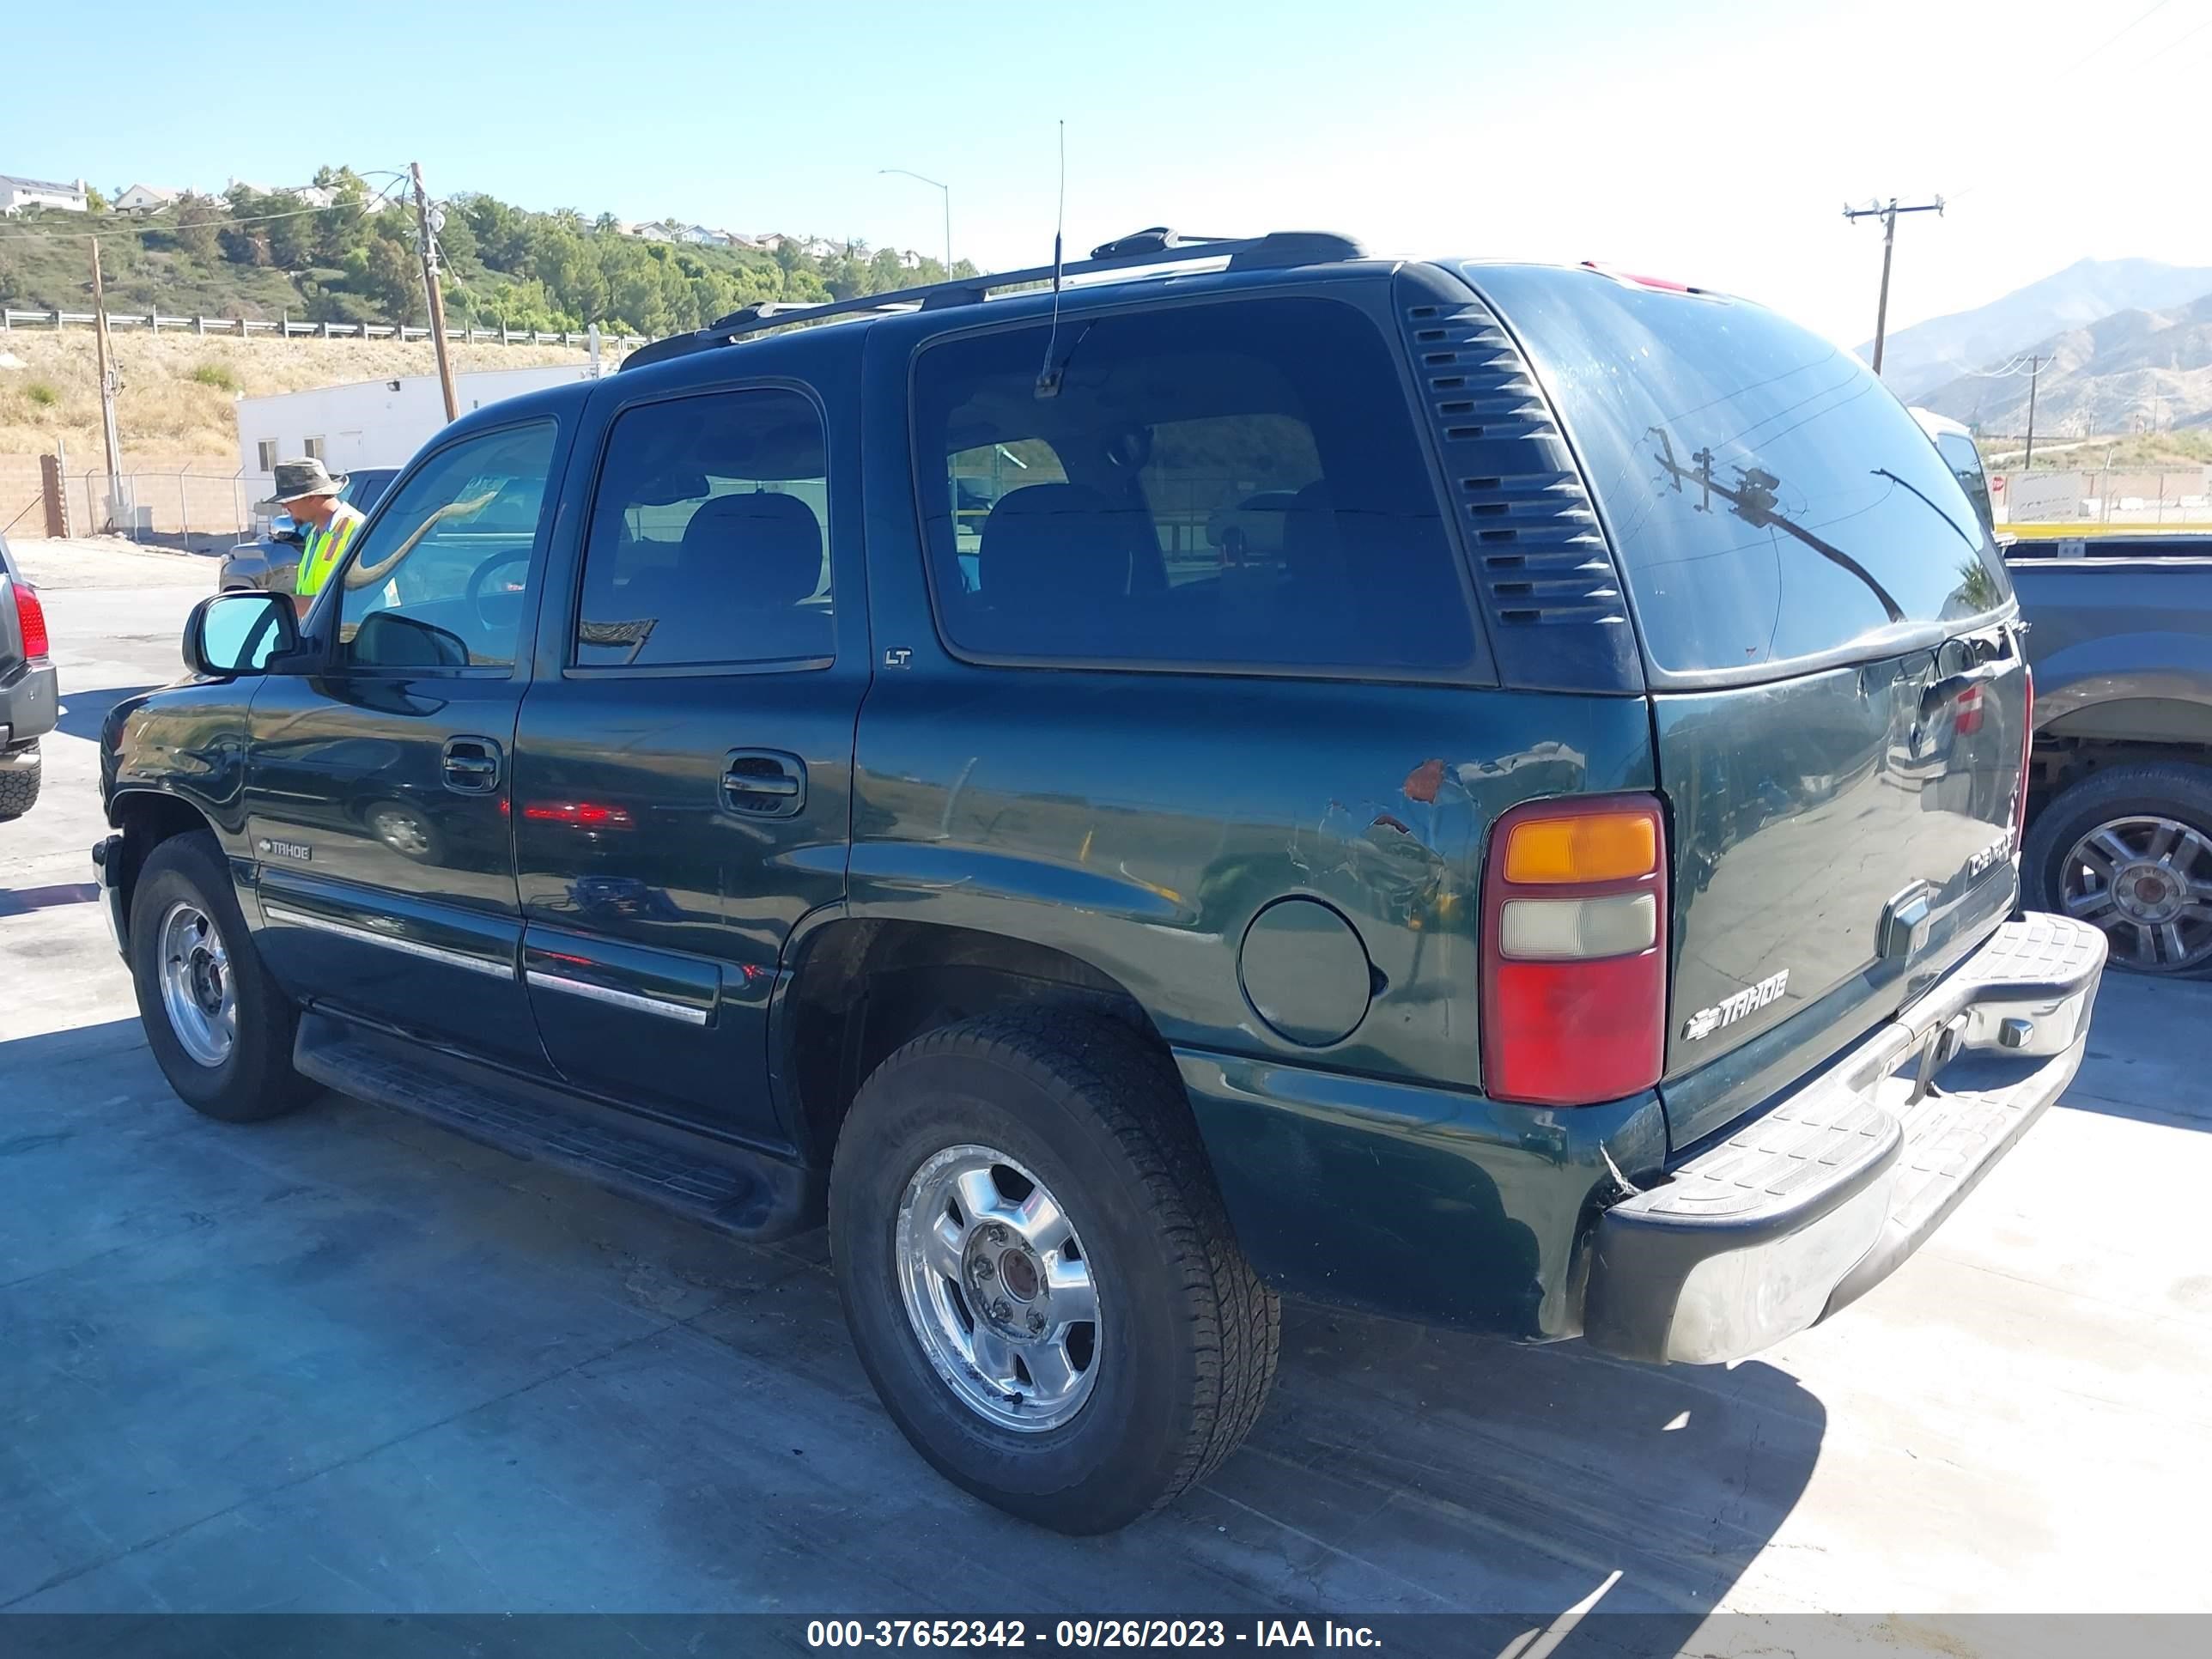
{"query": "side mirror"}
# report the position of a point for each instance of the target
(236, 634)
(289, 534)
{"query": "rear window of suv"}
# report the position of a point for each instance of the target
(1769, 500)
(1235, 485)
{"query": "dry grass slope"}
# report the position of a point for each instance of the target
(178, 389)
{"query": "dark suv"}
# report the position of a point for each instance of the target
(1546, 873)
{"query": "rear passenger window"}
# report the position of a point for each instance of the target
(1235, 485)
(707, 543)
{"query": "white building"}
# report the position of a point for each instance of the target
(145, 198)
(16, 194)
(667, 230)
(370, 423)
(314, 196)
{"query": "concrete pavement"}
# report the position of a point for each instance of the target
(348, 1362)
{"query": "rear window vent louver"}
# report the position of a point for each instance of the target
(1546, 578)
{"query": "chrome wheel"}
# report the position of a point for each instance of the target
(2147, 881)
(998, 1289)
(197, 991)
(401, 830)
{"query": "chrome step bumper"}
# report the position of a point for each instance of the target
(1800, 1212)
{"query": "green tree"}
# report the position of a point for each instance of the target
(290, 231)
(338, 228)
(389, 273)
(95, 200)
(199, 223)
(244, 238)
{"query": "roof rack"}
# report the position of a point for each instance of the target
(1156, 247)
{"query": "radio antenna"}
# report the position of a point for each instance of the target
(1047, 384)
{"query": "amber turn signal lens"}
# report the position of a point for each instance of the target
(1592, 846)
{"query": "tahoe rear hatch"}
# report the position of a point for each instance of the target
(1838, 697)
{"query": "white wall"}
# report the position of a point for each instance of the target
(12, 196)
(374, 422)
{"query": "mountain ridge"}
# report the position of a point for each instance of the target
(2135, 367)
(1931, 356)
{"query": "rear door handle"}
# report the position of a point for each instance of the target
(765, 783)
(471, 765)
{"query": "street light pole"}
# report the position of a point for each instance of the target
(910, 174)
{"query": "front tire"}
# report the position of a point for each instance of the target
(1037, 1271)
(220, 1029)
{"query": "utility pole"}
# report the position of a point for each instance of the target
(2034, 367)
(1888, 217)
(107, 388)
(431, 291)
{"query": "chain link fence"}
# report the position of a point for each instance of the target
(195, 511)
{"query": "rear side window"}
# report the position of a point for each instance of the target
(1236, 485)
(707, 543)
(1965, 461)
(1768, 498)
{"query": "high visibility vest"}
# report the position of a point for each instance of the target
(322, 550)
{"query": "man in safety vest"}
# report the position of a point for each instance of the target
(307, 491)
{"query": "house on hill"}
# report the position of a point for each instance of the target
(667, 230)
(314, 196)
(146, 198)
(16, 194)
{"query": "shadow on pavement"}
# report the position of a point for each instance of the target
(2150, 1050)
(346, 1362)
(21, 901)
(84, 711)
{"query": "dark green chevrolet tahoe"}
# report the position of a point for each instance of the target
(1486, 794)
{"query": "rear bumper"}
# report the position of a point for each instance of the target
(1803, 1210)
(29, 703)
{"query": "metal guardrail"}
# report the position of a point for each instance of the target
(246, 327)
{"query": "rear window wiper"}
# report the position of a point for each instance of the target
(1883, 472)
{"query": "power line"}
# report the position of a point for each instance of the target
(150, 224)
(2130, 29)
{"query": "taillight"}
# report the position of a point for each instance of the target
(2026, 756)
(30, 618)
(1574, 962)
(1967, 711)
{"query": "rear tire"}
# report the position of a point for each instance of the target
(220, 1029)
(2094, 853)
(1083, 1113)
(19, 788)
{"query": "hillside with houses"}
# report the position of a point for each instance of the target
(343, 248)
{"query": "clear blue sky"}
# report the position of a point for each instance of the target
(1715, 140)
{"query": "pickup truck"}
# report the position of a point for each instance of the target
(1487, 793)
(2119, 829)
(29, 699)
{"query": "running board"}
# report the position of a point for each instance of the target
(729, 1188)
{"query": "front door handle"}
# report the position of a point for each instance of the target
(765, 783)
(471, 765)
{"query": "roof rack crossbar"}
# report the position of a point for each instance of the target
(1146, 249)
